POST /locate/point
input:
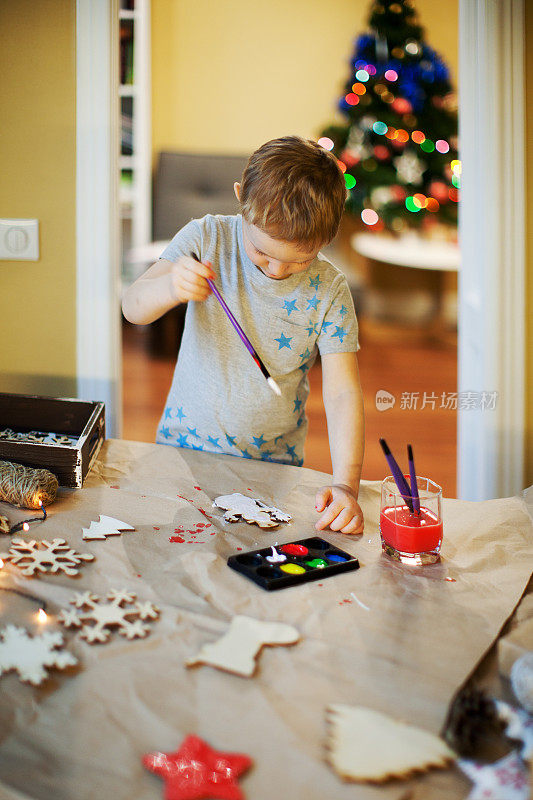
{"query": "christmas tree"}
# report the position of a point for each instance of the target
(398, 146)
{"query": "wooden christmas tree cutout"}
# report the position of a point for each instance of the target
(106, 526)
(54, 556)
(29, 655)
(252, 510)
(237, 649)
(365, 745)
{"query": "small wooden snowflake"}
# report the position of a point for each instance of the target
(54, 556)
(124, 612)
(29, 655)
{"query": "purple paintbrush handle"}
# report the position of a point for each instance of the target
(414, 485)
(232, 319)
(397, 474)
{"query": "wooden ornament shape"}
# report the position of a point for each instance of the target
(237, 649)
(106, 526)
(96, 618)
(29, 655)
(44, 556)
(239, 506)
(367, 746)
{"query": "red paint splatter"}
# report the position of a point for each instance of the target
(138, 575)
(190, 541)
(181, 497)
(114, 487)
(176, 539)
(214, 533)
(450, 579)
(156, 529)
(239, 548)
(197, 487)
(321, 584)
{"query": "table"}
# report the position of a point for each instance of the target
(413, 251)
(398, 639)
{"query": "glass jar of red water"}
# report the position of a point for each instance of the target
(409, 536)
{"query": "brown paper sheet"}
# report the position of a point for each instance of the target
(398, 639)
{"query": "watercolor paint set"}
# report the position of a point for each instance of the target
(293, 563)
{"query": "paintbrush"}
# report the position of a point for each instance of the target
(269, 379)
(401, 483)
(414, 485)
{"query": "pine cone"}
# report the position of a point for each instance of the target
(472, 722)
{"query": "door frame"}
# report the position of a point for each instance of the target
(99, 348)
(492, 225)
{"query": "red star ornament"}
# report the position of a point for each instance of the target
(197, 771)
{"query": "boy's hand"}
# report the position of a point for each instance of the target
(342, 511)
(188, 280)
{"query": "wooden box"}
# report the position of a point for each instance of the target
(76, 418)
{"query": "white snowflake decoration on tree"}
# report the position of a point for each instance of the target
(106, 526)
(410, 168)
(54, 556)
(30, 655)
(123, 612)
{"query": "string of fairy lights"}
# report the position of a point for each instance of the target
(398, 138)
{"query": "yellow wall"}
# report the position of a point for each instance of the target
(228, 76)
(529, 244)
(38, 180)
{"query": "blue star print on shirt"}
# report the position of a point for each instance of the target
(265, 455)
(167, 413)
(193, 432)
(245, 454)
(214, 441)
(313, 302)
(340, 332)
(325, 325)
(182, 440)
(259, 441)
(291, 451)
(297, 404)
(197, 447)
(284, 341)
(314, 282)
(306, 354)
(290, 305)
(231, 440)
(180, 414)
(343, 310)
(313, 328)
(166, 432)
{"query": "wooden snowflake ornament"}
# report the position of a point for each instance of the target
(106, 526)
(123, 612)
(251, 510)
(29, 655)
(54, 556)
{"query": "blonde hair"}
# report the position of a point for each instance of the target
(293, 189)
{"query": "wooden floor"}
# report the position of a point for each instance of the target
(404, 363)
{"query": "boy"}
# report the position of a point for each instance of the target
(290, 302)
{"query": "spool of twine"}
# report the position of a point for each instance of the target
(26, 486)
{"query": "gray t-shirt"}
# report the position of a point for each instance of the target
(219, 400)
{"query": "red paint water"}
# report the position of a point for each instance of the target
(410, 533)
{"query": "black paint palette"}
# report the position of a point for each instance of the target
(305, 560)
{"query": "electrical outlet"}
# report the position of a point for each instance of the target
(19, 239)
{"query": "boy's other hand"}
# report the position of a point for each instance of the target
(188, 279)
(341, 510)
